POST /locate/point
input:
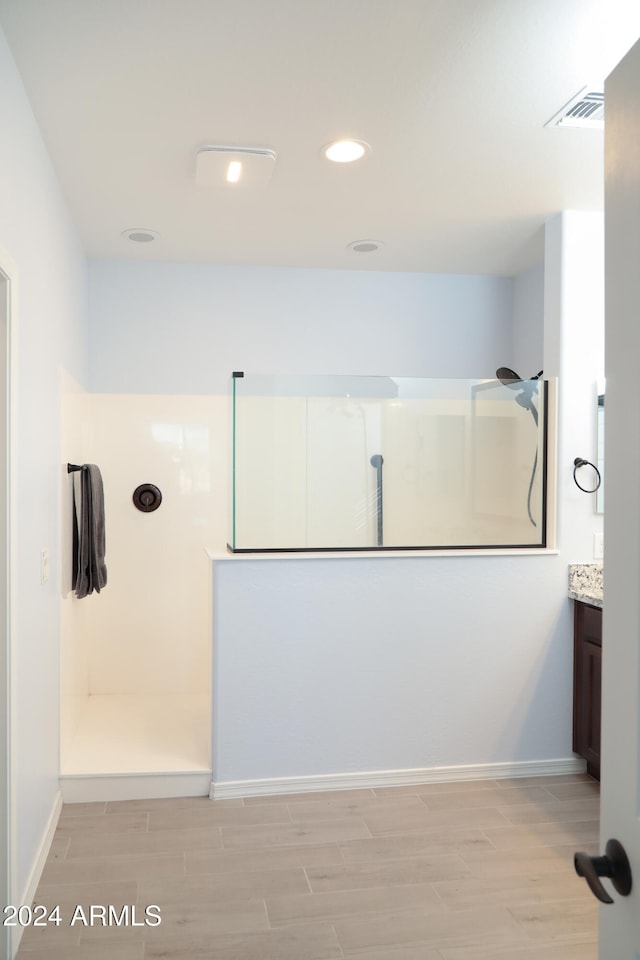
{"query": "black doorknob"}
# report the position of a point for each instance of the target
(614, 865)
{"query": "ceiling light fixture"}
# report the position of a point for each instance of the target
(233, 171)
(345, 151)
(140, 235)
(222, 166)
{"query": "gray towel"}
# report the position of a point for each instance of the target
(89, 568)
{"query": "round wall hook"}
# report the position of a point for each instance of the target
(147, 497)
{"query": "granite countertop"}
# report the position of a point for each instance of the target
(585, 583)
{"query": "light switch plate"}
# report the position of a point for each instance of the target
(598, 546)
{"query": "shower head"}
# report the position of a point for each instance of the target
(508, 377)
(511, 379)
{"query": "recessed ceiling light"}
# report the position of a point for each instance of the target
(364, 246)
(345, 151)
(140, 235)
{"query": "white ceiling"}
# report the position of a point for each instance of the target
(452, 96)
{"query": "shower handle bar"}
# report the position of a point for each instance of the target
(376, 461)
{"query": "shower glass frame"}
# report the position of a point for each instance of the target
(446, 465)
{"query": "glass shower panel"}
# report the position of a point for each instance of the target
(366, 463)
(508, 462)
(343, 434)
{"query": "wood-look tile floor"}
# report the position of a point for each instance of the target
(458, 871)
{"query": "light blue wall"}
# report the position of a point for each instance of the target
(183, 328)
(528, 322)
(388, 664)
(40, 247)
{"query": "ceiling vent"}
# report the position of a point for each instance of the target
(234, 166)
(586, 109)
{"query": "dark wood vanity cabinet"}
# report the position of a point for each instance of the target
(587, 682)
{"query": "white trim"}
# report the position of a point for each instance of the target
(13, 526)
(8, 803)
(552, 462)
(90, 788)
(28, 894)
(395, 778)
(218, 553)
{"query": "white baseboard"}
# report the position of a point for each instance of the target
(91, 788)
(27, 896)
(227, 789)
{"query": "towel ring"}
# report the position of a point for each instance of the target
(580, 462)
(147, 497)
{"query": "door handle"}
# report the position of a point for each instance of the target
(614, 865)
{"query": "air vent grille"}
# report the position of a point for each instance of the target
(586, 109)
(244, 151)
(252, 166)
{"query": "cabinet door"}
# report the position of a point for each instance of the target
(587, 685)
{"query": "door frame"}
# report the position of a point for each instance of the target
(8, 585)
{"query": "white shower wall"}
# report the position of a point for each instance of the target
(142, 647)
(152, 629)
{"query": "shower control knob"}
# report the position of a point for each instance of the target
(147, 497)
